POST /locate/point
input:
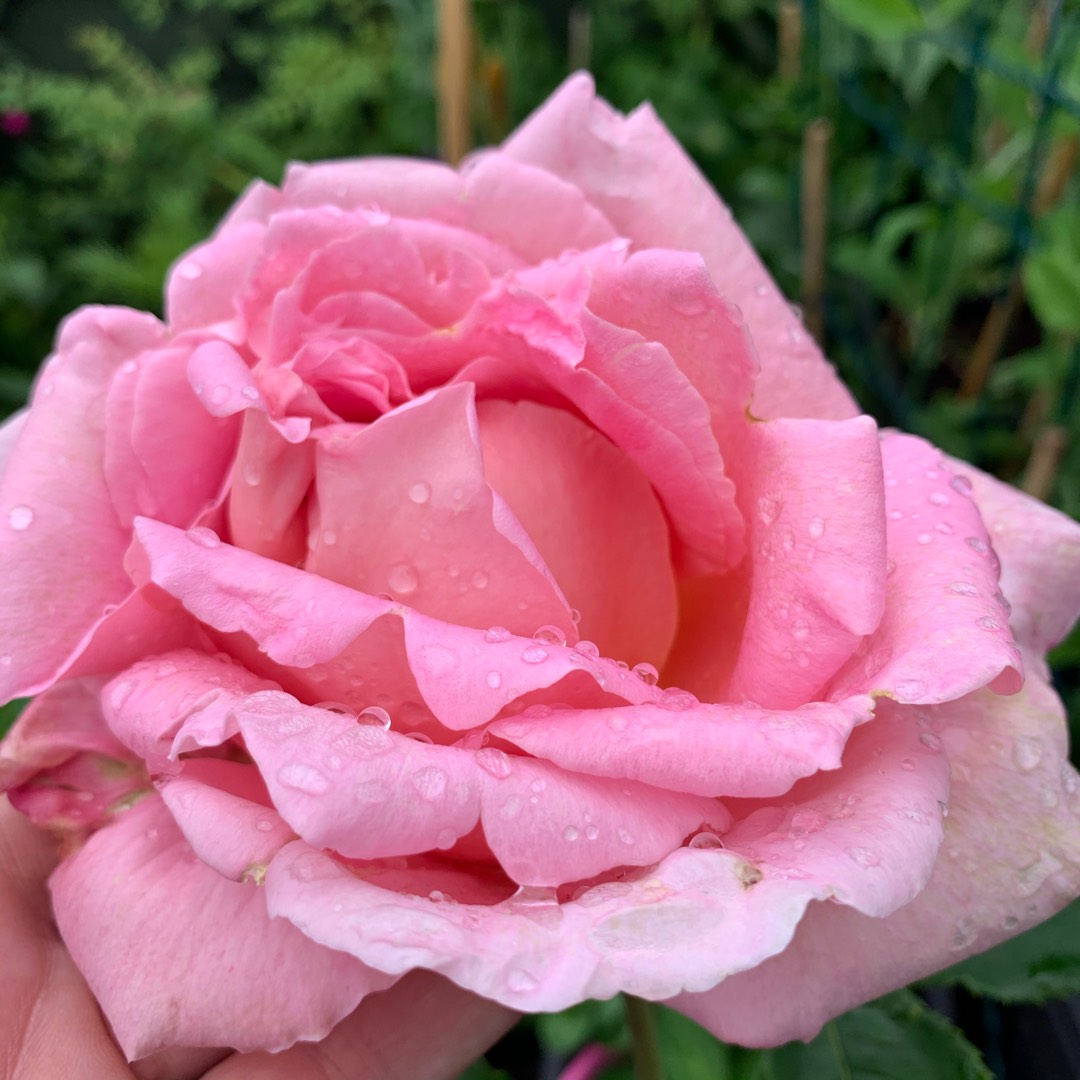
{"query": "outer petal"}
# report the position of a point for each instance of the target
(945, 630)
(635, 172)
(179, 956)
(61, 450)
(1010, 859)
(813, 496)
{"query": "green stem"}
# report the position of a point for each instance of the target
(645, 1048)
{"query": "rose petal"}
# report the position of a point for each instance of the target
(738, 750)
(944, 631)
(623, 589)
(166, 946)
(1010, 859)
(405, 510)
(635, 172)
(813, 498)
(61, 450)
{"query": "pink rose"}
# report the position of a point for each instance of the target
(483, 571)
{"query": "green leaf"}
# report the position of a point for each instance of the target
(591, 1021)
(483, 1070)
(878, 18)
(1052, 280)
(894, 1038)
(1036, 966)
(9, 713)
(689, 1052)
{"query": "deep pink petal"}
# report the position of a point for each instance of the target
(61, 450)
(178, 955)
(1010, 859)
(444, 543)
(635, 172)
(738, 750)
(945, 631)
(813, 497)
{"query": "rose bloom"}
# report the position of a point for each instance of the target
(483, 571)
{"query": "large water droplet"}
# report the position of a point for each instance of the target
(647, 673)
(20, 518)
(707, 841)
(374, 716)
(494, 761)
(494, 634)
(587, 648)
(204, 537)
(402, 578)
(303, 778)
(961, 485)
(336, 707)
(550, 635)
(534, 654)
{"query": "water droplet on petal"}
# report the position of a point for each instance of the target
(907, 765)
(429, 782)
(931, 741)
(520, 982)
(964, 588)
(816, 528)
(587, 648)
(864, 856)
(626, 836)
(707, 841)
(20, 518)
(1027, 751)
(550, 635)
(534, 654)
(961, 485)
(987, 622)
(494, 761)
(494, 634)
(480, 580)
(420, 492)
(374, 716)
(190, 270)
(494, 680)
(204, 537)
(402, 579)
(938, 498)
(646, 673)
(769, 507)
(924, 538)
(570, 833)
(976, 544)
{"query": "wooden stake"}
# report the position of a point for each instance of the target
(1045, 457)
(454, 78)
(814, 208)
(579, 38)
(789, 39)
(991, 339)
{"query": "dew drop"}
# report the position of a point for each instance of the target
(550, 635)
(907, 765)
(204, 537)
(1027, 752)
(987, 622)
(420, 737)
(1010, 923)
(625, 836)
(910, 689)
(964, 588)
(944, 528)
(534, 654)
(336, 707)
(430, 783)
(976, 544)
(303, 778)
(520, 982)
(769, 508)
(646, 673)
(570, 833)
(374, 716)
(706, 841)
(329, 537)
(494, 680)
(591, 832)
(190, 271)
(446, 838)
(924, 538)
(864, 856)
(402, 579)
(495, 634)
(588, 648)
(800, 629)
(420, 492)
(816, 528)
(480, 580)
(20, 518)
(938, 498)
(961, 485)
(494, 762)
(931, 741)
(264, 825)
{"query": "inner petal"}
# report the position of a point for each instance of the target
(594, 519)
